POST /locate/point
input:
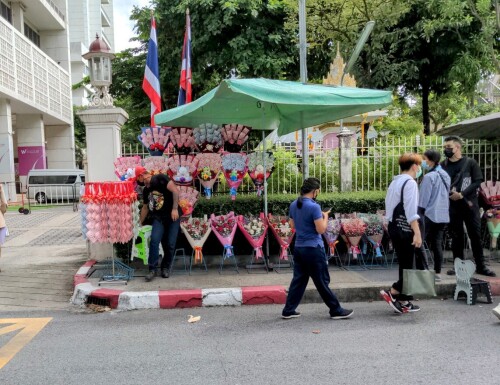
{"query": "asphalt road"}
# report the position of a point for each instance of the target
(446, 343)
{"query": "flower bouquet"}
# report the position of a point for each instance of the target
(156, 165)
(224, 227)
(374, 231)
(182, 169)
(283, 230)
(234, 135)
(256, 168)
(332, 233)
(196, 231)
(188, 197)
(493, 223)
(154, 139)
(209, 166)
(208, 138)
(182, 139)
(234, 167)
(254, 229)
(123, 163)
(385, 225)
(354, 229)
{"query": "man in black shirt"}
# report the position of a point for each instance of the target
(161, 201)
(466, 177)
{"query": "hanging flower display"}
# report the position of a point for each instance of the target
(234, 167)
(374, 231)
(493, 223)
(354, 229)
(224, 227)
(156, 164)
(155, 139)
(209, 166)
(188, 197)
(208, 138)
(182, 169)
(256, 168)
(196, 231)
(332, 233)
(182, 139)
(283, 230)
(234, 136)
(123, 163)
(254, 229)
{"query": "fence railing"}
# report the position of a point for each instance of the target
(54, 194)
(374, 164)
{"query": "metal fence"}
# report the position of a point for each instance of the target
(374, 164)
(54, 194)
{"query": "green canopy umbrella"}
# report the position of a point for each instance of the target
(265, 104)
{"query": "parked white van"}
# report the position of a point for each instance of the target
(54, 185)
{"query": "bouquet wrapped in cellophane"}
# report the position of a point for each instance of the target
(188, 197)
(332, 233)
(234, 167)
(122, 164)
(254, 229)
(182, 139)
(182, 169)
(155, 139)
(224, 227)
(208, 138)
(353, 229)
(234, 136)
(196, 231)
(281, 227)
(209, 167)
(374, 231)
(256, 168)
(156, 164)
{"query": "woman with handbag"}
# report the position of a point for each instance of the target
(3, 210)
(401, 204)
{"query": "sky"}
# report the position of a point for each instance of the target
(124, 26)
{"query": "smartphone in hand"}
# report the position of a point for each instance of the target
(327, 210)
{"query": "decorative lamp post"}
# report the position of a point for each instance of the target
(99, 57)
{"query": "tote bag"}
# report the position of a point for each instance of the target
(419, 282)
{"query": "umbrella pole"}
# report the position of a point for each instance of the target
(265, 182)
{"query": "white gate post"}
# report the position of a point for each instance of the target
(345, 161)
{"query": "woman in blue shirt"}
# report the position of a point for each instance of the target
(309, 255)
(434, 204)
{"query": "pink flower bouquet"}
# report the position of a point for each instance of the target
(208, 137)
(156, 164)
(493, 223)
(256, 168)
(155, 139)
(353, 229)
(283, 230)
(234, 136)
(182, 139)
(224, 227)
(188, 197)
(374, 230)
(332, 233)
(196, 231)
(234, 167)
(123, 163)
(209, 166)
(182, 169)
(254, 229)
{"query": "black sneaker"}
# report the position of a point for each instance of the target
(396, 305)
(451, 272)
(487, 272)
(149, 277)
(295, 314)
(345, 313)
(410, 308)
(165, 273)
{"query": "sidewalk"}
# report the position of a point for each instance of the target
(232, 289)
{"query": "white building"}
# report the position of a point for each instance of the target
(86, 19)
(36, 128)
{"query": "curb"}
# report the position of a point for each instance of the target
(236, 296)
(171, 299)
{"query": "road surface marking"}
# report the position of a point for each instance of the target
(29, 328)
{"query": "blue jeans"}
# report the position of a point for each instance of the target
(166, 232)
(310, 262)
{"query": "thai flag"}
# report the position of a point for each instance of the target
(151, 82)
(185, 94)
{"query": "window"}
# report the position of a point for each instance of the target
(36, 180)
(6, 12)
(32, 35)
(56, 179)
(71, 179)
(82, 178)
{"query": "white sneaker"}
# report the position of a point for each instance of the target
(496, 311)
(438, 277)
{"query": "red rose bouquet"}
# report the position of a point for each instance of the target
(374, 231)
(283, 230)
(224, 227)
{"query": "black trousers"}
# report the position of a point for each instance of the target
(461, 213)
(434, 233)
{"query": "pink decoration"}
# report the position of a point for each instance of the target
(254, 230)
(283, 230)
(209, 166)
(354, 228)
(182, 139)
(123, 163)
(234, 136)
(182, 169)
(155, 139)
(188, 197)
(156, 164)
(224, 227)
(234, 171)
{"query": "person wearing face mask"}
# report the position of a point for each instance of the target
(309, 255)
(466, 177)
(401, 205)
(434, 205)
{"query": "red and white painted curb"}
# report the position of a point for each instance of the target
(170, 299)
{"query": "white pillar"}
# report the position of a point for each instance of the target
(60, 147)
(345, 161)
(7, 170)
(30, 144)
(103, 134)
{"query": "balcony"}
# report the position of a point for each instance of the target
(105, 20)
(32, 80)
(44, 14)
